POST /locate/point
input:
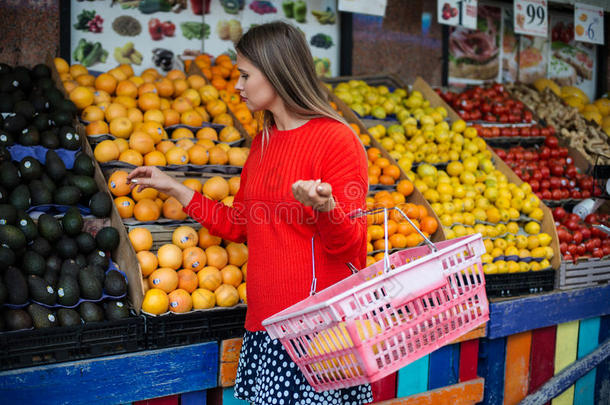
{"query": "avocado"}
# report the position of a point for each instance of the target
(68, 317)
(41, 105)
(97, 271)
(3, 195)
(48, 182)
(26, 224)
(33, 263)
(20, 197)
(30, 168)
(40, 194)
(99, 258)
(49, 140)
(85, 242)
(18, 95)
(17, 319)
(41, 316)
(116, 310)
(83, 165)
(5, 154)
(6, 139)
(6, 83)
(9, 175)
(41, 291)
(3, 293)
(55, 96)
(51, 277)
(22, 76)
(107, 239)
(68, 291)
(90, 286)
(66, 247)
(91, 312)
(85, 184)
(8, 214)
(67, 105)
(55, 167)
(100, 204)
(41, 246)
(115, 284)
(61, 117)
(45, 84)
(49, 228)
(66, 195)
(12, 237)
(5, 68)
(41, 70)
(25, 108)
(7, 257)
(72, 222)
(81, 259)
(69, 268)
(66, 181)
(69, 138)
(16, 286)
(41, 123)
(14, 124)
(30, 136)
(6, 102)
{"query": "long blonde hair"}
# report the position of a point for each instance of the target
(281, 53)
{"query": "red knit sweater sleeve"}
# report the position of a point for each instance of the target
(344, 167)
(227, 222)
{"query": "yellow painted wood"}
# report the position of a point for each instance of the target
(566, 349)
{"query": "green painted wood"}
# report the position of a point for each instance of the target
(565, 354)
(413, 378)
(588, 337)
(228, 397)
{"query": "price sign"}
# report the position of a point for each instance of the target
(588, 23)
(372, 7)
(531, 17)
(461, 13)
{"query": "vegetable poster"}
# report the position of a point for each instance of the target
(164, 33)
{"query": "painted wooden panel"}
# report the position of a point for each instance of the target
(444, 367)
(229, 350)
(565, 354)
(523, 314)
(464, 393)
(115, 379)
(413, 378)
(194, 398)
(168, 400)
(516, 375)
(492, 355)
(228, 398)
(227, 374)
(476, 333)
(542, 359)
(469, 357)
(588, 335)
(385, 388)
(602, 378)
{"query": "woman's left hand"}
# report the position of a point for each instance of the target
(315, 194)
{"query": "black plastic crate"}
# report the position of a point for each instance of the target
(67, 343)
(195, 327)
(514, 284)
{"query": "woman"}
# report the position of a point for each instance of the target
(306, 170)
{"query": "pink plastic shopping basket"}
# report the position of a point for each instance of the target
(387, 315)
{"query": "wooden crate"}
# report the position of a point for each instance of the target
(585, 273)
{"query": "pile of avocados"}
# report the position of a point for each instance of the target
(35, 111)
(52, 271)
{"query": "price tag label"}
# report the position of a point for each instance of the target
(372, 7)
(462, 13)
(588, 23)
(531, 17)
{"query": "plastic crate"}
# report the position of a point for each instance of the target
(53, 345)
(514, 284)
(195, 327)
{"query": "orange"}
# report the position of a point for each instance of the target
(126, 69)
(86, 80)
(208, 93)
(406, 228)
(206, 143)
(379, 244)
(191, 118)
(141, 142)
(373, 154)
(117, 183)
(77, 70)
(81, 97)
(193, 184)
(151, 71)
(135, 115)
(193, 96)
(148, 262)
(155, 115)
(61, 65)
(184, 237)
(198, 155)
(243, 115)
(182, 132)
(203, 299)
(223, 119)
(219, 83)
(185, 144)
(149, 101)
(146, 210)
(216, 188)
(228, 201)
(137, 80)
(125, 206)
(115, 110)
(196, 81)
(187, 280)
(209, 278)
(231, 275)
(218, 156)
(155, 158)
(405, 187)
(172, 117)
(70, 85)
(193, 258)
(206, 239)
(176, 156)
(398, 240)
(164, 146)
(106, 151)
(170, 255)
(155, 301)
(238, 253)
(106, 82)
(133, 157)
(428, 224)
(181, 104)
(180, 301)
(216, 107)
(398, 198)
(126, 101)
(234, 185)
(141, 239)
(175, 74)
(154, 129)
(229, 134)
(414, 239)
(126, 88)
(387, 180)
(118, 74)
(165, 87)
(422, 211)
(217, 256)
(149, 77)
(241, 290)
(122, 144)
(226, 296)
(92, 113)
(146, 88)
(237, 156)
(180, 85)
(164, 278)
(244, 270)
(172, 209)
(392, 171)
(207, 133)
(148, 192)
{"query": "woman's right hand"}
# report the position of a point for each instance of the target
(150, 176)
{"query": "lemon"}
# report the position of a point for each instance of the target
(490, 268)
(449, 207)
(532, 242)
(491, 231)
(512, 227)
(449, 234)
(545, 264)
(513, 267)
(489, 245)
(486, 258)
(459, 204)
(459, 230)
(493, 215)
(468, 203)
(524, 253)
(432, 196)
(470, 132)
(501, 229)
(467, 178)
(535, 266)
(479, 214)
(491, 193)
(500, 243)
(521, 241)
(549, 252)
(469, 219)
(496, 252)
(455, 168)
(470, 230)
(457, 217)
(539, 252)
(537, 214)
(533, 228)
(445, 188)
(502, 266)
(516, 203)
(513, 213)
(446, 220)
(511, 251)
(545, 239)
(523, 267)
(436, 207)
(482, 229)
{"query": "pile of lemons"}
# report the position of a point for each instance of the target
(377, 101)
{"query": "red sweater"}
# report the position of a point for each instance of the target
(279, 228)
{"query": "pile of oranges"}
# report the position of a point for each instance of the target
(195, 271)
(381, 170)
(401, 233)
(150, 205)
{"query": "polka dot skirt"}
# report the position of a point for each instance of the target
(267, 376)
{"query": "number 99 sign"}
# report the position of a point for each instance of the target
(531, 17)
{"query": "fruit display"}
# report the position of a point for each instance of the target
(580, 239)
(382, 172)
(377, 101)
(194, 271)
(512, 133)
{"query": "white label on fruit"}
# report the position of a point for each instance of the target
(25, 131)
(102, 254)
(51, 317)
(27, 164)
(372, 7)
(15, 83)
(69, 136)
(76, 137)
(23, 222)
(588, 23)
(119, 304)
(462, 13)
(3, 138)
(156, 281)
(195, 265)
(125, 203)
(173, 304)
(50, 289)
(47, 105)
(60, 292)
(531, 17)
(3, 222)
(184, 239)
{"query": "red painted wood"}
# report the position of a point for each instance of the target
(542, 360)
(169, 400)
(385, 388)
(469, 356)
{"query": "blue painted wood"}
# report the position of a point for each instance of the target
(566, 377)
(588, 334)
(114, 379)
(228, 397)
(194, 398)
(522, 314)
(492, 360)
(413, 378)
(444, 367)
(602, 378)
